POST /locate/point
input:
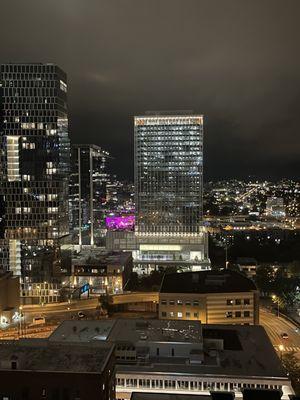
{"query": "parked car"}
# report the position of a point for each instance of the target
(81, 314)
(284, 336)
(38, 320)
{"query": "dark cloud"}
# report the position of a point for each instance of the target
(235, 61)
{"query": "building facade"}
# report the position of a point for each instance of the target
(37, 369)
(9, 298)
(168, 191)
(34, 147)
(183, 357)
(88, 195)
(106, 273)
(212, 297)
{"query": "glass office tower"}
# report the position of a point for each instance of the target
(168, 182)
(35, 158)
(88, 182)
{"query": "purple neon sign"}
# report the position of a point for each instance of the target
(124, 222)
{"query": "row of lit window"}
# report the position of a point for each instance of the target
(237, 314)
(27, 103)
(29, 92)
(194, 303)
(19, 210)
(180, 314)
(30, 83)
(238, 302)
(28, 68)
(189, 384)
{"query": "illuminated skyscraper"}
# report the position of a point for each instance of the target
(34, 174)
(168, 183)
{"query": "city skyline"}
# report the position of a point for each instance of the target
(241, 76)
(149, 200)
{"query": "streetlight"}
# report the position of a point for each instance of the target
(281, 349)
(276, 300)
(20, 320)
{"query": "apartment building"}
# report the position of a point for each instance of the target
(212, 297)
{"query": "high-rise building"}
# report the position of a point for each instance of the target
(87, 192)
(34, 146)
(168, 191)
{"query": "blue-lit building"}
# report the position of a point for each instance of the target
(35, 158)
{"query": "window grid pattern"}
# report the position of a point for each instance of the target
(168, 174)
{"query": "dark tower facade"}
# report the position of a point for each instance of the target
(35, 158)
(88, 181)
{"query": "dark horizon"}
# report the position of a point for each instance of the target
(236, 63)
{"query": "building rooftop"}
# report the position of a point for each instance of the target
(154, 330)
(252, 356)
(245, 351)
(40, 355)
(225, 281)
(83, 331)
(125, 330)
(100, 257)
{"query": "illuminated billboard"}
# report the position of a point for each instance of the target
(124, 222)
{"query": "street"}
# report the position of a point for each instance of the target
(276, 326)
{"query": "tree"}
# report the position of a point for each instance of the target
(265, 278)
(291, 365)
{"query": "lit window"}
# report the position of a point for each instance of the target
(63, 86)
(179, 314)
(28, 125)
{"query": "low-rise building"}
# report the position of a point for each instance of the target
(9, 297)
(212, 297)
(247, 265)
(105, 272)
(183, 357)
(38, 369)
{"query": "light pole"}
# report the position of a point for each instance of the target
(281, 349)
(276, 300)
(20, 320)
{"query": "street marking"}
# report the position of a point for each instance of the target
(288, 349)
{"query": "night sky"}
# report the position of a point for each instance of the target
(235, 61)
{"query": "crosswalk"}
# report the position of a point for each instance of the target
(288, 349)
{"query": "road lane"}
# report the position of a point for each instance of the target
(276, 326)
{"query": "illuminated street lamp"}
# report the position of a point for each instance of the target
(20, 321)
(276, 300)
(281, 349)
